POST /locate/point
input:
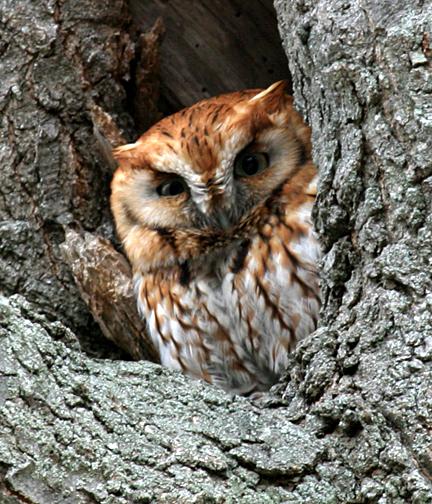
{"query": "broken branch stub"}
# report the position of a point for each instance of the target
(103, 276)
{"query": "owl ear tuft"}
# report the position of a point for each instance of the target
(124, 151)
(271, 97)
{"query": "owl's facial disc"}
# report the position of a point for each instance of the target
(172, 191)
(207, 174)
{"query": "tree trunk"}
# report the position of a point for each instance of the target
(60, 77)
(362, 77)
(351, 421)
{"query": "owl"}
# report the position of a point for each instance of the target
(213, 207)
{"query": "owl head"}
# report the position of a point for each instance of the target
(205, 176)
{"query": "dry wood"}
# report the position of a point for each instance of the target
(214, 46)
(103, 277)
(146, 81)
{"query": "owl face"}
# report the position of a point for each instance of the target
(204, 177)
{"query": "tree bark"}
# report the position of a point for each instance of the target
(104, 279)
(362, 77)
(60, 75)
(351, 421)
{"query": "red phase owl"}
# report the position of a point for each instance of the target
(213, 206)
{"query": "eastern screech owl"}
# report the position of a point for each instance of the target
(213, 206)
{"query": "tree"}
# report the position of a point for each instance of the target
(351, 420)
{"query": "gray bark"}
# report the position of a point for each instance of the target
(362, 77)
(351, 421)
(79, 430)
(57, 71)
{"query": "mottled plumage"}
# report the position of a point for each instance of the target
(213, 207)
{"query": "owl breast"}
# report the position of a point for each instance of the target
(232, 319)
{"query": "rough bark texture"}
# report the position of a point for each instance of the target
(351, 422)
(362, 76)
(60, 62)
(79, 430)
(104, 279)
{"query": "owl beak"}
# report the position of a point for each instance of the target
(220, 214)
(223, 219)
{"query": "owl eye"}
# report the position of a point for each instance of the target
(250, 163)
(172, 187)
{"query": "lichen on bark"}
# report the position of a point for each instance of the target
(367, 97)
(85, 430)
